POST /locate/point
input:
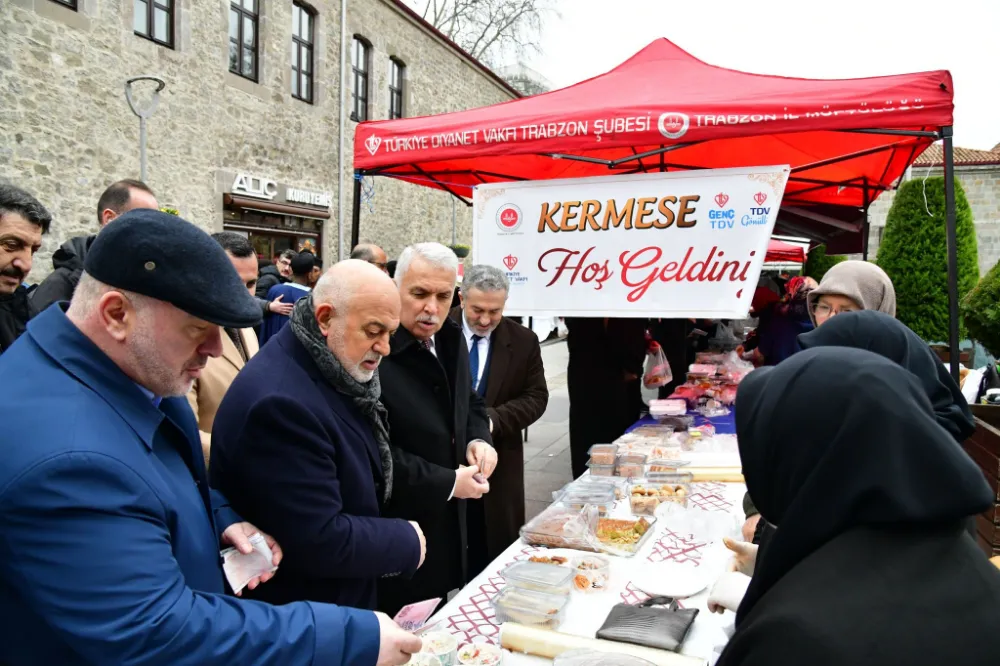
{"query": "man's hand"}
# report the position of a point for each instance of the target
(744, 556)
(277, 307)
(483, 456)
(423, 542)
(395, 645)
(750, 526)
(238, 535)
(466, 486)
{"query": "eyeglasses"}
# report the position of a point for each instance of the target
(823, 310)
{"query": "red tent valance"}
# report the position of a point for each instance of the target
(780, 251)
(665, 110)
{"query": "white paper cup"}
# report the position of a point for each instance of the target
(442, 645)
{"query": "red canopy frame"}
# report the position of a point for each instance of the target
(664, 110)
(784, 252)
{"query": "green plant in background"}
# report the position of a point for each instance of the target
(819, 262)
(172, 211)
(914, 254)
(981, 311)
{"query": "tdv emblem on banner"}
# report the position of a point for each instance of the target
(372, 143)
(509, 217)
(760, 198)
(721, 199)
(673, 124)
(510, 261)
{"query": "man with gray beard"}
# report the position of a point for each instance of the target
(301, 444)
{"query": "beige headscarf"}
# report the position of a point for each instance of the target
(864, 283)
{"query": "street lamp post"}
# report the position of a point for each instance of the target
(143, 113)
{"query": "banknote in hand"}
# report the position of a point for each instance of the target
(240, 569)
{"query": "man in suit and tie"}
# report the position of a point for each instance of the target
(505, 363)
(238, 345)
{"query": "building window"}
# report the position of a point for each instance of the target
(396, 70)
(303, 29)
(67, 3)
(243, 38)
(154, 20)
(359, 92)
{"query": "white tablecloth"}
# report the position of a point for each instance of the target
(469, 616)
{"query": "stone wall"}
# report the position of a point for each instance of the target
(982, 189)
(66, 131)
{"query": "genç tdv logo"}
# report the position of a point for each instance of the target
(724, 218)
(509, 218)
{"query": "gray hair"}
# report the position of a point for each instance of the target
(331, 291)
(88, 292)
(485, 278)
(433, 253)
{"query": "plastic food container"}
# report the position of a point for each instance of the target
(664, 466)
(442, 645)
(645, 495)
(550, 578)
(422, 659)
(703, 369)
(601, 496)
(601, 470)
(603, 454)
(667, 407)
(480, 654)
(560, 526)
(592, 573)
(591, 658)
(533, 609)
(631, 464)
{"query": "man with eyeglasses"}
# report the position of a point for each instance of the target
(373, 254)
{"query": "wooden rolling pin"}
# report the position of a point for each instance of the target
(721, 474)
(550, 644)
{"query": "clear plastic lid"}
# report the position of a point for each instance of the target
(632, 459)
(529, 603)
(597, 493)
(540, 577)
(602, 447)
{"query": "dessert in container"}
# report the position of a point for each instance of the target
(623, 537)
(560, 526)
(601, 470)
(592, 573)
(480, 654)
(423, 659)
(603, 454)
(645, 495)
(549, 578)
(667, 407)
(600, 495)
(631, 464)
(534, 609)
(442, 645)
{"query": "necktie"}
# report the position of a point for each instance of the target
(426, 344)
(474, 361)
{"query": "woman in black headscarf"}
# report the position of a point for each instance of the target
(870, 564)
(880, 333)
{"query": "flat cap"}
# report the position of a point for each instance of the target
(167, 258)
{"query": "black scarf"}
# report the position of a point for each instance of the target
(836, 438)
(879, 333)
(364, 396)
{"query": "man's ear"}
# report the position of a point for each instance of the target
(324, 317)
(117, 315)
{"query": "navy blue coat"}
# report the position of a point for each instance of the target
(299, 461)
(275, 322)
(109, 535)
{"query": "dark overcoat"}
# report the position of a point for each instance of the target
(433, 415)
(300, 462)
(516, 396)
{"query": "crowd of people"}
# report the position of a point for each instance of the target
(170, 394)
(371, 435)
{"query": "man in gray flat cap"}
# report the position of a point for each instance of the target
(111, 532)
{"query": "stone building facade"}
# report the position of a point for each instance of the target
(979, 173)
(224, 150)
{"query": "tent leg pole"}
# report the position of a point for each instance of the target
(949, 199)
(867, 226)
(356, 212)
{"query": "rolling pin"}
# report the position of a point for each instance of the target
(550, 644)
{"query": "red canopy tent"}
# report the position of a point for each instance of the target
(664, 110)
(786, 252)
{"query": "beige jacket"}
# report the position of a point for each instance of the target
(209, 389)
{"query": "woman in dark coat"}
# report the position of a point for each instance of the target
(889, 337)
(783, 321)
(870, 564)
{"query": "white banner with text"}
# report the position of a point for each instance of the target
(685, 244)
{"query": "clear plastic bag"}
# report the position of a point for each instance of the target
(657, 372)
